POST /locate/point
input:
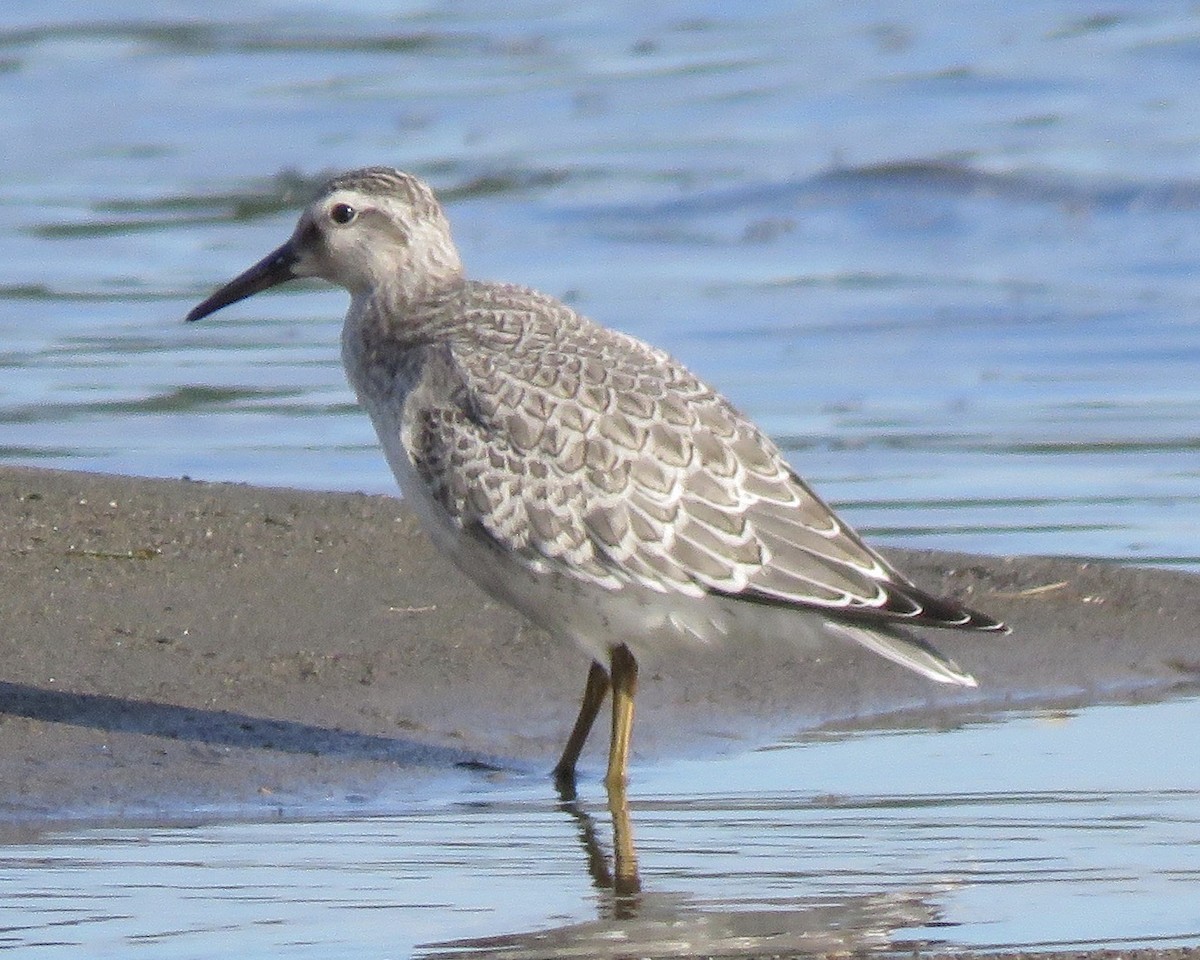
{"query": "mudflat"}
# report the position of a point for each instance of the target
(169, 645)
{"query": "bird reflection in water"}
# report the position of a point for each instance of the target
(621, 885)
(635, 922)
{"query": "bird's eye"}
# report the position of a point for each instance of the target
(342, 213)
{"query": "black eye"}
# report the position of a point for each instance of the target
(342, 213)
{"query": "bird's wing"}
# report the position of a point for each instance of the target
(600, 457)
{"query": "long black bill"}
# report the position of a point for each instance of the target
(273, 269)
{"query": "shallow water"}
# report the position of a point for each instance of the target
(1042, 830)
(945, 253)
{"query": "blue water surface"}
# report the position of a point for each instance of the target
(945, 253)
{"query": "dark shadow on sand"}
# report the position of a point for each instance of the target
(223, 728)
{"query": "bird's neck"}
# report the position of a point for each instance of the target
(403, 317)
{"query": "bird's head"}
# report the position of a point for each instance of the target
(375, 230)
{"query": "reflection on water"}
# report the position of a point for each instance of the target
(650, 923)
(1042, 831)
(623, 881)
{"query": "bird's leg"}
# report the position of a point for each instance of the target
(593, 698)
(624, 687)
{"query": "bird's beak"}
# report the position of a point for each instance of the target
(273, 269)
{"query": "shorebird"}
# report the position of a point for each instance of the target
(579, 474)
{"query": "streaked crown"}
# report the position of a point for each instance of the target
(386, 182)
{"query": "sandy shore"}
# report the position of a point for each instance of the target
(171, 644)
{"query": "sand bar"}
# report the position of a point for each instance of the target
(170, 645)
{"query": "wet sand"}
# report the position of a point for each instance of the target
(172, 645)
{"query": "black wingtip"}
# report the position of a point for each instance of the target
(986, 624)
(934, 611)
(904, 604)
(981, 621)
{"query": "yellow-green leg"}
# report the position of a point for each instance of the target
(593, 698)
(624, 687)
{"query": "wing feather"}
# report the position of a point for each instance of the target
(603, 459)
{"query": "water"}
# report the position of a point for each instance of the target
(1058, 830)
(945, 253)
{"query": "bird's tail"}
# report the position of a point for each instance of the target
(909, 651)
